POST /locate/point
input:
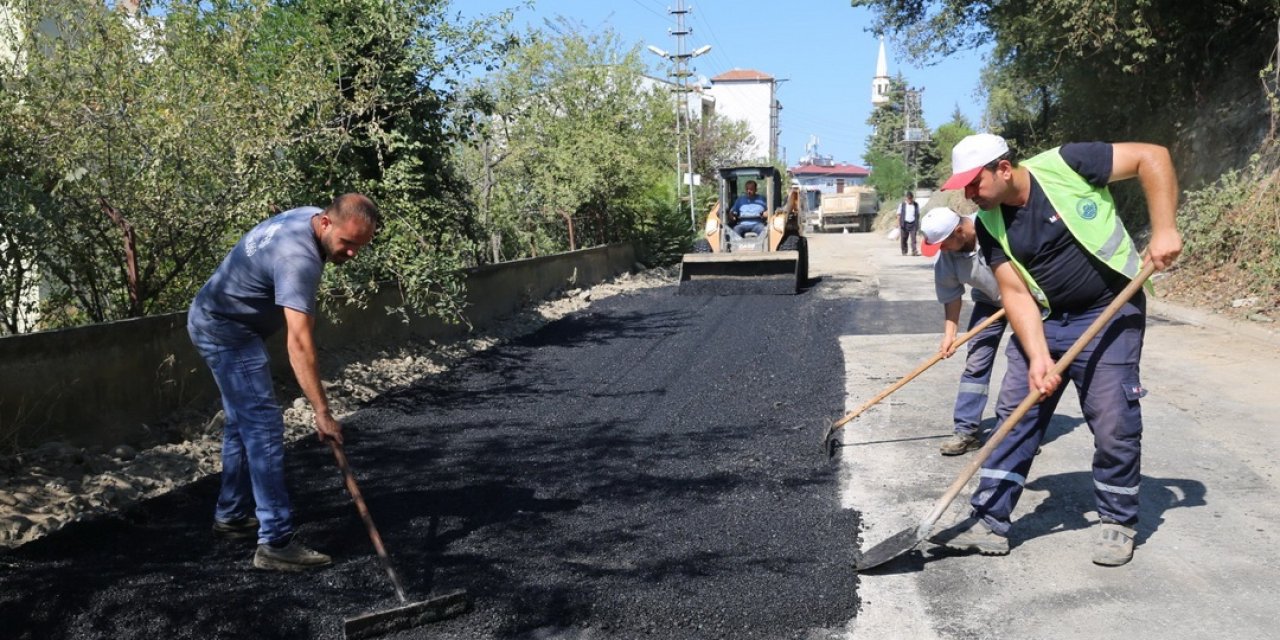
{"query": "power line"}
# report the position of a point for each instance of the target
(716, 53)
(650, 9)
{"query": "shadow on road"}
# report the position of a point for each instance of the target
(1070, 497)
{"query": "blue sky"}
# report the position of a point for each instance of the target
(821, 48)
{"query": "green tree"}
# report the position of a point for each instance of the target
(575, 142)
(720, 142)
(945, 139)
(134, 148)
(887, 140)
(887, 123)
(137, 149)
(1082, 69)
(890, 176)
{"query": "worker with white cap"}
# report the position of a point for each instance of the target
(1060, 253)
(959, 263)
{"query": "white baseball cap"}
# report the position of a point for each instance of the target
(938, 224)
(970, 155)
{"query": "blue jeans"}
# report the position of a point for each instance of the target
(252, 438)
(749, 225)
(1106, 378)
(975, 381)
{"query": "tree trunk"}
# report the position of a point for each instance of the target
(568, 220)
(130, 257)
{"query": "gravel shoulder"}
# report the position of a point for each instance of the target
(45, 488)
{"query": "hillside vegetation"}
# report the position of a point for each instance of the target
(1197, 77)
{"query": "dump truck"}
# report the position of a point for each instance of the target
(854, 209)
(774, 260)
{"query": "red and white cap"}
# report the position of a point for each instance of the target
(970, 155)
(938, 225)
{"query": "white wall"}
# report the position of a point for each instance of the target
(699, 104)
(748, 102)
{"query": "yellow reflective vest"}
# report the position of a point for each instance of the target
(1088, 211)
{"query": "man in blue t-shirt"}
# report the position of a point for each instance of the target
(748, 211)
(267, 282)
(1077, 286)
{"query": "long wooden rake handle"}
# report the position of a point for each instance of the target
(354, 490)
(963, 338)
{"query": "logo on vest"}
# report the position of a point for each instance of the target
(1087, 208)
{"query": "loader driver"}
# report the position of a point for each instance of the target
(747, 213)
(267, 282)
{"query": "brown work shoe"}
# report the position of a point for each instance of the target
(960, 443)
(293, 556)
(238, 529)
(1114, 546)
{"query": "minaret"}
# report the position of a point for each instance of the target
(880, 83)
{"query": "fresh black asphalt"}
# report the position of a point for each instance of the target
(648, 467)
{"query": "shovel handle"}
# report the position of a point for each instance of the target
(354, 490)
(963, 338)
(1033, 397)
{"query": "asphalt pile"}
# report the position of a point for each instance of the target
(647, 465)
(46, 488)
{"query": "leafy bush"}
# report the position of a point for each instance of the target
(1231, 236)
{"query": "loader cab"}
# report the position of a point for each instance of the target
(733, 183)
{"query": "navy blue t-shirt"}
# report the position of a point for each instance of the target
(1072, 278)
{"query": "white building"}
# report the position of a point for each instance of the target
(702, 105)
(825, 176)
(751, 97)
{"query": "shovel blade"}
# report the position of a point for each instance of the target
(377, 623)
(901, 542)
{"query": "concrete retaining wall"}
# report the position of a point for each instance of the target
(103, 384)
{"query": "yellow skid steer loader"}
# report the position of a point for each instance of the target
(752, 241)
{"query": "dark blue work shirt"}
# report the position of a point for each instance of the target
(1071, 277)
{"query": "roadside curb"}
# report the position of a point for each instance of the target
(1211, 320)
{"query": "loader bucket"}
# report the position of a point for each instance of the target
(712, 274)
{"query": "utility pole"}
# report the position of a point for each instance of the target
(774, 107)
(680, 74)
(913, 132)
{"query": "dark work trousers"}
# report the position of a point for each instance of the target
(975, 381)
(1106, 378)
(909, 229)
